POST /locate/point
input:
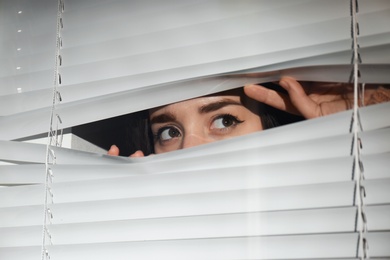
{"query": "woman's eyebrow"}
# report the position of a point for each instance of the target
(218, 105)
(163, 118)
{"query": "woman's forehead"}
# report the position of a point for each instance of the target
(197, 102)
(234, 94)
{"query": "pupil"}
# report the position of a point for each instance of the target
(227, 121)
(173, 132)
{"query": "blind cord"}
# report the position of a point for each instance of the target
(54, 138)
(361, 220)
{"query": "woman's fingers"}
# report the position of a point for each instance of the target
(114, 150)
(297, 101)
(138, 153)
(306, 106)
(270, 97)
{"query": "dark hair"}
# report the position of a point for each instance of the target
(138, 133)
(140, 137)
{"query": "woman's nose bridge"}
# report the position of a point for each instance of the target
(194, 139)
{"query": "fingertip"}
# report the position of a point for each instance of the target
(291, 85)
(114, 150)
(138, 153)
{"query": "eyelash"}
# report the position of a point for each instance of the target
(235, 120)
(157, 136)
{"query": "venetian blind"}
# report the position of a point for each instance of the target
(284, 193)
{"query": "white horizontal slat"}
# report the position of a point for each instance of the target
(29, 83)
(123, 17)
(377, 191)
(162, 207)
(378, 217)
(374, 74)
(311, 35)
(254, 45)
(280, 174)
(36, 153)
(194, 227)
(282, 197)
(305, 246)
(185, 204)
(317, 14)
(211, 53)
(376, 166)
(379, 244)
(295, 151)
(89, 15)
(198, 29)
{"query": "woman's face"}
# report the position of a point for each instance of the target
(203, 120)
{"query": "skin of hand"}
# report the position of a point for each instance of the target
(114, 151)
(304, 99)
(315, 99)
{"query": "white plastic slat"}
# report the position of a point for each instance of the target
(36, 153)
(223, 202)
(277, 198)
(379, 244)
(280, 174)
(269, 175)
(254, 45)
(310, 69)
(194, 227)
(238, 17)
(276, 247)
(378, 217)
(174, 206)
(377, 191)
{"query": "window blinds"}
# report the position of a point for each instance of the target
(109, 60)
(190, 204)
(284, 193)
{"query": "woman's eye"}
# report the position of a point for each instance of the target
(167, 133)
(225, 121)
